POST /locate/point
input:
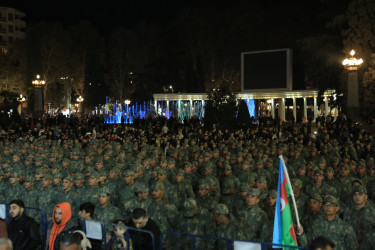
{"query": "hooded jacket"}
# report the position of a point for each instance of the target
(55, 231)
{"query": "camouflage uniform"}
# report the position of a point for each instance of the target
(341, 233)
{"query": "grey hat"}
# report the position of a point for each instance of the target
(253, 191)
(104, 191)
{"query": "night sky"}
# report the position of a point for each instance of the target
(106, 15)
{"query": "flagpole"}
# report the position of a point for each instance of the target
(290, 187)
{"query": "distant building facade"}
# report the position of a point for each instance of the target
(11, 27)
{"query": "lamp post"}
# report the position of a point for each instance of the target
(127, 117)
(38, 84)
(352, 65)
(79, 101)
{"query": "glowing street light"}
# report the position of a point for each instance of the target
(80, 99)
(21, 99)
(37, 82)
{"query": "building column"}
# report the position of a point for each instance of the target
(352, 96)
(203, 109)
(167, 114)
(305, 108)
(273, 108)
(179, 108)
(156, 106)
(191, 108)
(282, 109)
(326, 106)
(315, 109)
(294, 109)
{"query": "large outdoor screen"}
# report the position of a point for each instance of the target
(266, 70)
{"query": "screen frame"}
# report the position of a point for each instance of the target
(288, 80)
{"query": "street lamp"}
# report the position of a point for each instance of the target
(38, 84)
(352, 65)
(127, 117)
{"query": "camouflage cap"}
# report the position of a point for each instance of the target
(330, 169)
(253, 191)
(262, 179)
(318, 171)
(162, 171)
(47, 176)
(227, 167)
(316, 196)
(29, 178)
(158, 186)
(345, 166)
(272, 193)
(39, 171)
(79, 176)
(68, 178)
(95, 175)
(190, 206)
(331, 199)
(180, 172)
(128, 172)
(57, 175)
(140, 187)
(322, 159)
(104, 191)
(330, 191)
(208, 166)
(259, 161)
(244, 187)
(1, 172)
(360, 189)
(203, 185)
(221, 209)
(297, 183)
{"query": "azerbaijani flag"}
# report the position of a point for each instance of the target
(283, 230)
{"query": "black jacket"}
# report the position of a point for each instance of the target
(143, 240)
(24, 233)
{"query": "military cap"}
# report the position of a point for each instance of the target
(360, 189)
(371, 166)
(270, 160)
(227, 167)
(104, 191)
(180, 172)
(208, 166)
(38, 158)
(253, 191)
(322, 159)
(79, 176)
(221, 209)
(140, 187)
(68, 178)
(262, 179)
(316, 196)
(190, 206)
(244, 187)
(57, 175)
(102, 173)
(272, 193)
(47, 176)
(329, 190)
(265, 156)
(158, 186)
(171, 161)
(362, 165)
(297, 183)
(95, 175)
(1, 172)
(29, 178)
(346, 166)
(335, 159)
(331, 199)
(162, 171)
(318, 171)
(39, 171)
(128, 172)
(330, 169)
(259, 161)
(313, 150)
(204, 185)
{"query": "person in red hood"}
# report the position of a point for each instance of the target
(61, 224)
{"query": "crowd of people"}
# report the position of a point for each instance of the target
(190, 178)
